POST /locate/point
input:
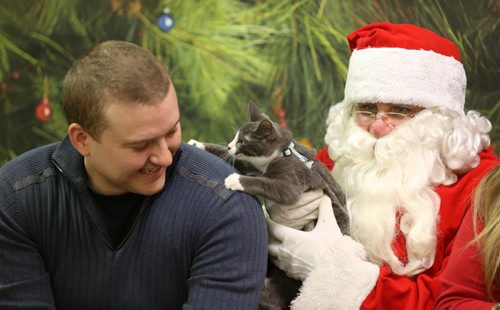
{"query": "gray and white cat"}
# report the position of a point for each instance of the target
(274, 166)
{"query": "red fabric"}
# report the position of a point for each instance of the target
(463, 281)
(399, 244)
(322, 156)
(405, 36)
(399, 292)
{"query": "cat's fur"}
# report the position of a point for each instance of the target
(259, 152)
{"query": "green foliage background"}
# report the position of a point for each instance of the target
(286, 55)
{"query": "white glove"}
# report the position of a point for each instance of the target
(196, 143)
(298, 215)
(336, 273)
(295, 251)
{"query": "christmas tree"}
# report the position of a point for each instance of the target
(288, 56)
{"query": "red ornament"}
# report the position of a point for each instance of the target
(43, 111)
(282, 114)
(15, 75)
(3, 90)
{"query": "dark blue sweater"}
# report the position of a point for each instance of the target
(195, 245)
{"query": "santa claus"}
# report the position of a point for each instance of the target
(408, 158)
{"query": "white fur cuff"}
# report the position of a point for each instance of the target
(340, 280)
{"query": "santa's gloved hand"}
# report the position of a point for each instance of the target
(196, 143)
(299, 214)
(334, 268)
(295, 251)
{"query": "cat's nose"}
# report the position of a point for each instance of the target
(231, 150)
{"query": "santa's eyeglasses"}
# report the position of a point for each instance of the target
(366, 118)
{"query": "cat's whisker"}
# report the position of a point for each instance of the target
(228, 158)
(235, 126)
(232, 160)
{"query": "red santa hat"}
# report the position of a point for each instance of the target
(404, 64)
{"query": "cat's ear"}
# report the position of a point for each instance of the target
(265, 128)
(254, 113)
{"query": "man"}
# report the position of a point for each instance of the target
(120, 214)
(408, 158)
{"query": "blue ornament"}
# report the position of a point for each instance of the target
(165, 22)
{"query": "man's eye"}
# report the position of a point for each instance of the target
(399, 109)
(171, 133)
(367, 107)
(139, 148)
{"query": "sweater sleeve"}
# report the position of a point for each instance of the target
(24, 281)
(230, 262)
(463, 281)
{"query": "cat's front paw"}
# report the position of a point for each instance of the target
(196, 143)
(233, 182)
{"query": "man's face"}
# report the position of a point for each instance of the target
(133, 153)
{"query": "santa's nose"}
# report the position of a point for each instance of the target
(380, 128)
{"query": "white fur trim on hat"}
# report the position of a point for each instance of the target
(405, 76)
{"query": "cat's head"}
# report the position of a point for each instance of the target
(259, 137)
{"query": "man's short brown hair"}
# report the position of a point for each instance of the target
(113, 72)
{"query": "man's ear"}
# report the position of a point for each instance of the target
(79, 138)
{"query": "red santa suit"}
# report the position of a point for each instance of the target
(407, 192)
(394, 291)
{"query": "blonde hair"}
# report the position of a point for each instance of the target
(487, 210)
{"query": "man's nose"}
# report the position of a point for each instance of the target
(161, 156)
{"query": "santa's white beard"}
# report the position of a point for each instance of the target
(396, 174)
